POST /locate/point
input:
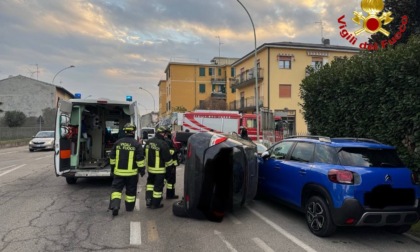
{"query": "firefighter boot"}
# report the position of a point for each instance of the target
(170, 194)
(114, 205)
(156, 203)
(149, 198)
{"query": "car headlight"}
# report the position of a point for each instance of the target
(30, 142)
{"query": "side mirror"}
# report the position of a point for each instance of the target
(265, 155)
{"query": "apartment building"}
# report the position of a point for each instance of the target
(281, 67)
(193, 86)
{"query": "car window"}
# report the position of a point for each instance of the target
(303, 152)
(45, 134)
(280, 150)
(365, 157)
(325, 154)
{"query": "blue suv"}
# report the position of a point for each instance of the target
(341, 182)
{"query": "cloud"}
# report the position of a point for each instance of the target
(116, 45)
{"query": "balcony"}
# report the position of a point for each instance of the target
(246, 78)
(245, 104)
(218, 95)
(218, 81)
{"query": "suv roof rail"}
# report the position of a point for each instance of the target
(320, 138)
(356, 139)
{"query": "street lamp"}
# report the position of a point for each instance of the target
(60, 72)
(255, 74)
(154, 107)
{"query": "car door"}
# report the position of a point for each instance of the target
(271, 173)
(62, 149)
(297, 171)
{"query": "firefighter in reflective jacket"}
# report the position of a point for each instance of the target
(158, 158)
(170, 177)
(127, 161)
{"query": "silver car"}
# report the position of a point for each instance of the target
(42, 140)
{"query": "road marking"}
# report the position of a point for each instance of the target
(260, 243)
(282, 231)
(234, 219)
(228, 245)
(135, 233)
(4, 173)
(4, 168)
(137, 204)
(152, 233)
(42, 157)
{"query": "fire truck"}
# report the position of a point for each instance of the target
(220, 121)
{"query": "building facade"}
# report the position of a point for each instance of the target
(190, 86)
(281, 67)
(30, 96)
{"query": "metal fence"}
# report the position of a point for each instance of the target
(15, 133)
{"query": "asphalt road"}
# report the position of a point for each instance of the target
(41, 212)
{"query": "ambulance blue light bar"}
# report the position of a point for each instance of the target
(129, 98)
(77, 95)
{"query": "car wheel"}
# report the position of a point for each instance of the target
(318, 217)
(71, 180)
(398, 229)
(178, 209)
(31, 150)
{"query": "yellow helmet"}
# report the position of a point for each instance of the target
(129, 128)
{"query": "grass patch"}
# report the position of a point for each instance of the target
(415, 230)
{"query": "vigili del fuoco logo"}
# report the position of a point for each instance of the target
(372, 23)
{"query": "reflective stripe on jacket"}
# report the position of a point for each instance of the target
(157, 155)
(126, 157)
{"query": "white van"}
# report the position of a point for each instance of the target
(85, 132)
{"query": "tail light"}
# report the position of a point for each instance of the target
(415, 177)
(189, 150)
(217, 139)
(341, 177)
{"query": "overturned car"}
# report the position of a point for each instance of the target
(220, 175)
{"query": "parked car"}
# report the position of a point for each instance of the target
(43, 140)
(260, 148)
(341, 182)
(220, 175)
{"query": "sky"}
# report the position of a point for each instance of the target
(117, 46)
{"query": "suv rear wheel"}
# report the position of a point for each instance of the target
(318, 217)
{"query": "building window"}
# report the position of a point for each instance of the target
(316, 62)
(232, 72)
(211, 71)
(202, 88)
(220, 72)
(285, 90)
(285, 62)
(232, 90)
(202, 71)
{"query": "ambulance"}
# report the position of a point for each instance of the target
(85, 131)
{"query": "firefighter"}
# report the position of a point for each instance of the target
(170, 177)
(158, 158)
(244, 133)
(127, 161)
